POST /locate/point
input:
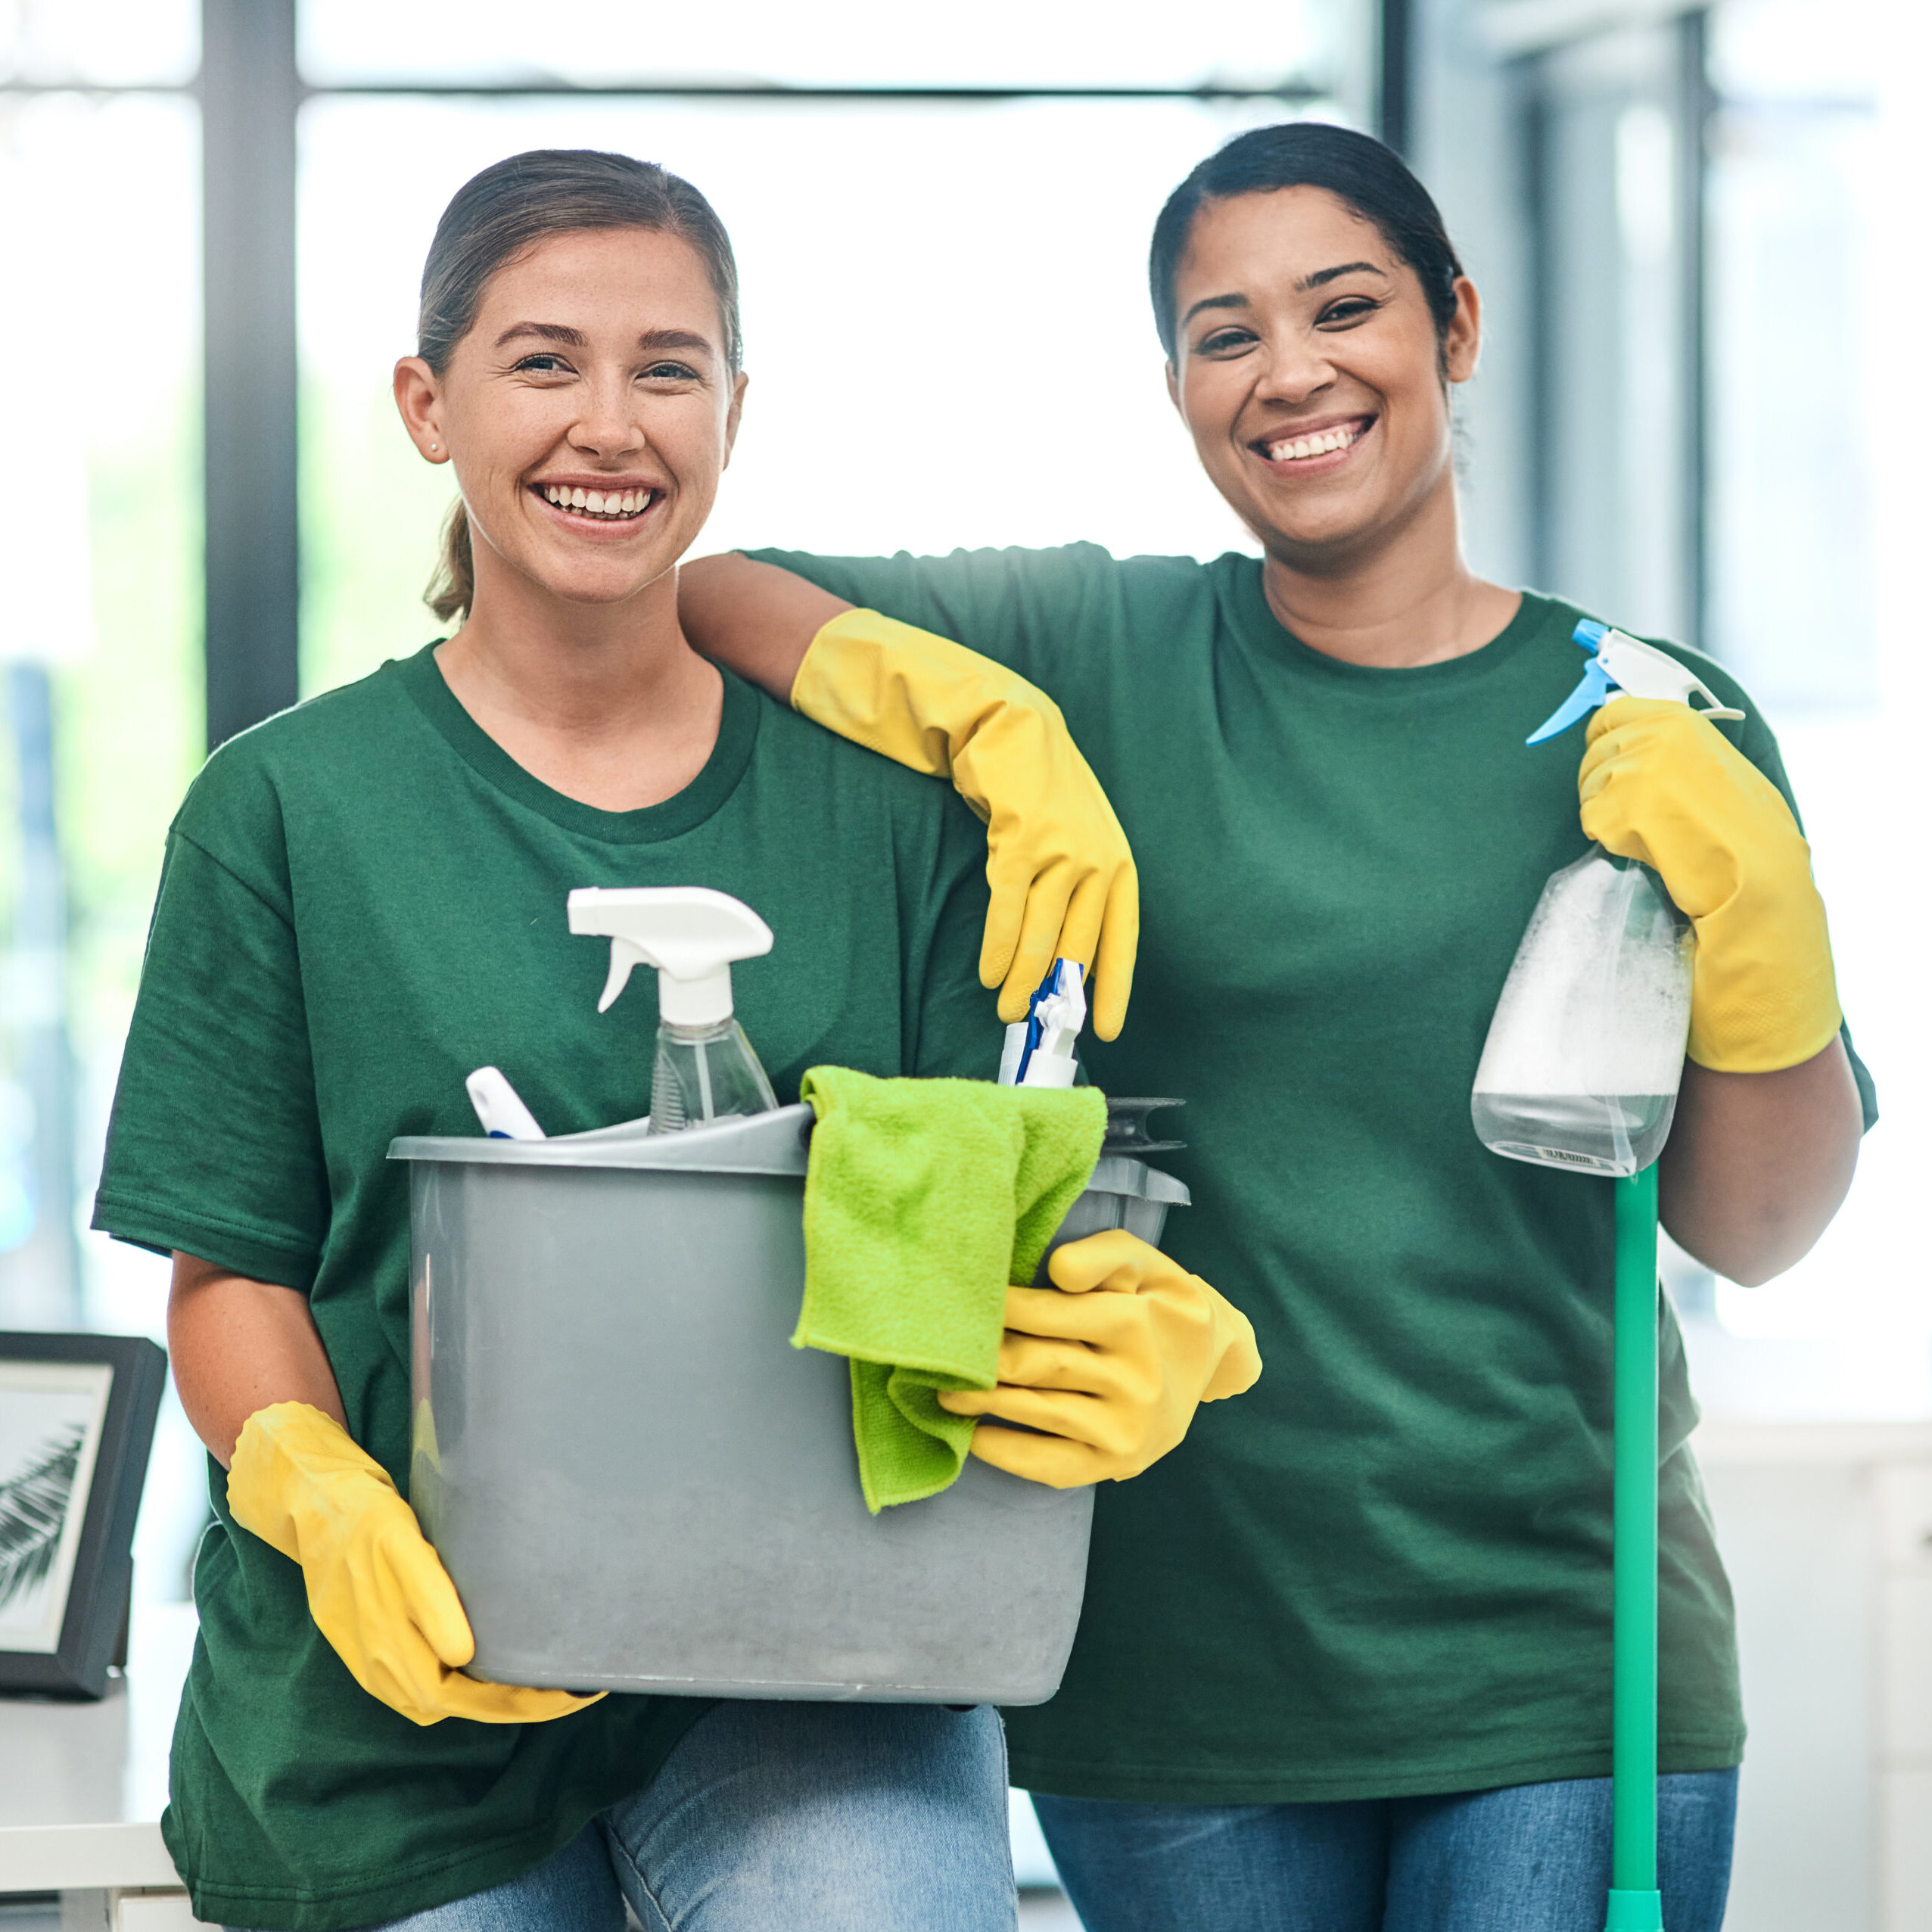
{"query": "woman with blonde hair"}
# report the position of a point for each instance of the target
(363, 899)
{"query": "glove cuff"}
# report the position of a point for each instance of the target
(913, 697)
(281, 1450)
(1765, 995)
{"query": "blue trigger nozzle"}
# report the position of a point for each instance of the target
(1051, 984)
(1593, 689)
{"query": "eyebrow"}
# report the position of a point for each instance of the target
(572, 338)
(651, 339)
(1215, 302)
(1320, 279)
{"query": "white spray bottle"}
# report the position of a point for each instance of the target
(705, 1068)
(1582, 1064)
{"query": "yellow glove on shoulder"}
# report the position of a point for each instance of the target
(377, 1591)
(1663, 785)
(1110, 1363)
(1062, 876)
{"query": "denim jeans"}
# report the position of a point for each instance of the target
(786, 1817)
(1532, 1858)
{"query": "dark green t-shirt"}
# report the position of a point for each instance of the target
(363, 899)
(1386, 1569)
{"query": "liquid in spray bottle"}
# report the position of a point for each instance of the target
(1586, 1051)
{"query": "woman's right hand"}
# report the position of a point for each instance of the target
(376, 1589)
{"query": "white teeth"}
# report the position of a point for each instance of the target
(598, 503)
(1298, 448)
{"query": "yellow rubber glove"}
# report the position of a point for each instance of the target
(1661, 785)
(1063, 881)
(1111, 1364)
(377, 1591)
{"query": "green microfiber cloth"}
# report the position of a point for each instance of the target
(923, 1199)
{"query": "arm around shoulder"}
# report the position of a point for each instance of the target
(1062, 876)
(754, 618)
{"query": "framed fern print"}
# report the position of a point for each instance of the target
(77, 1422)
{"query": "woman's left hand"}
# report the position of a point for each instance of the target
(1108, 1365)
(1661, 784)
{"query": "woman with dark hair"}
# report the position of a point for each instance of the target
(363, 899)
(1345, 1660)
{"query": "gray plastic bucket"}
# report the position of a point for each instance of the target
(638, 1484)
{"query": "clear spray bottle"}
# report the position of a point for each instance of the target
(1586, 1049)
(706, 1070)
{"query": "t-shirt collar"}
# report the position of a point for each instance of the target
(1246, 604)
(738, 730)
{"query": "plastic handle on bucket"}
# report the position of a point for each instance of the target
(1128, 1131)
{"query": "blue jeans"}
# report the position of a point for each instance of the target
(1533, 1858)
(786, 1817)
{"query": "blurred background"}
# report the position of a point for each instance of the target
(1700, 232)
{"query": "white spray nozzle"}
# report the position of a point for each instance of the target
(1039, 1050)
(689, 933)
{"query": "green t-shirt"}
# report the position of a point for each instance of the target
(363, 899)
(1386, 1569)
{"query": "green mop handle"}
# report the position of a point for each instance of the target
(1636, 1905)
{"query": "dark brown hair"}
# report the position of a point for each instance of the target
(1354, 168)
(498, 214)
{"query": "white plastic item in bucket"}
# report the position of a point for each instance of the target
(638, 1484)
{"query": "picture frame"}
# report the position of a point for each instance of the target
(77, 1416)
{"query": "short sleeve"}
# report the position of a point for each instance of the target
(214, 1146)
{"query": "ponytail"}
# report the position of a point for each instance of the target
(454, 584)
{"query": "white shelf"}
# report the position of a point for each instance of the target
(82, 1785)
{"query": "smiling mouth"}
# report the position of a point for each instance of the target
(605, 506)
(1304, 448)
